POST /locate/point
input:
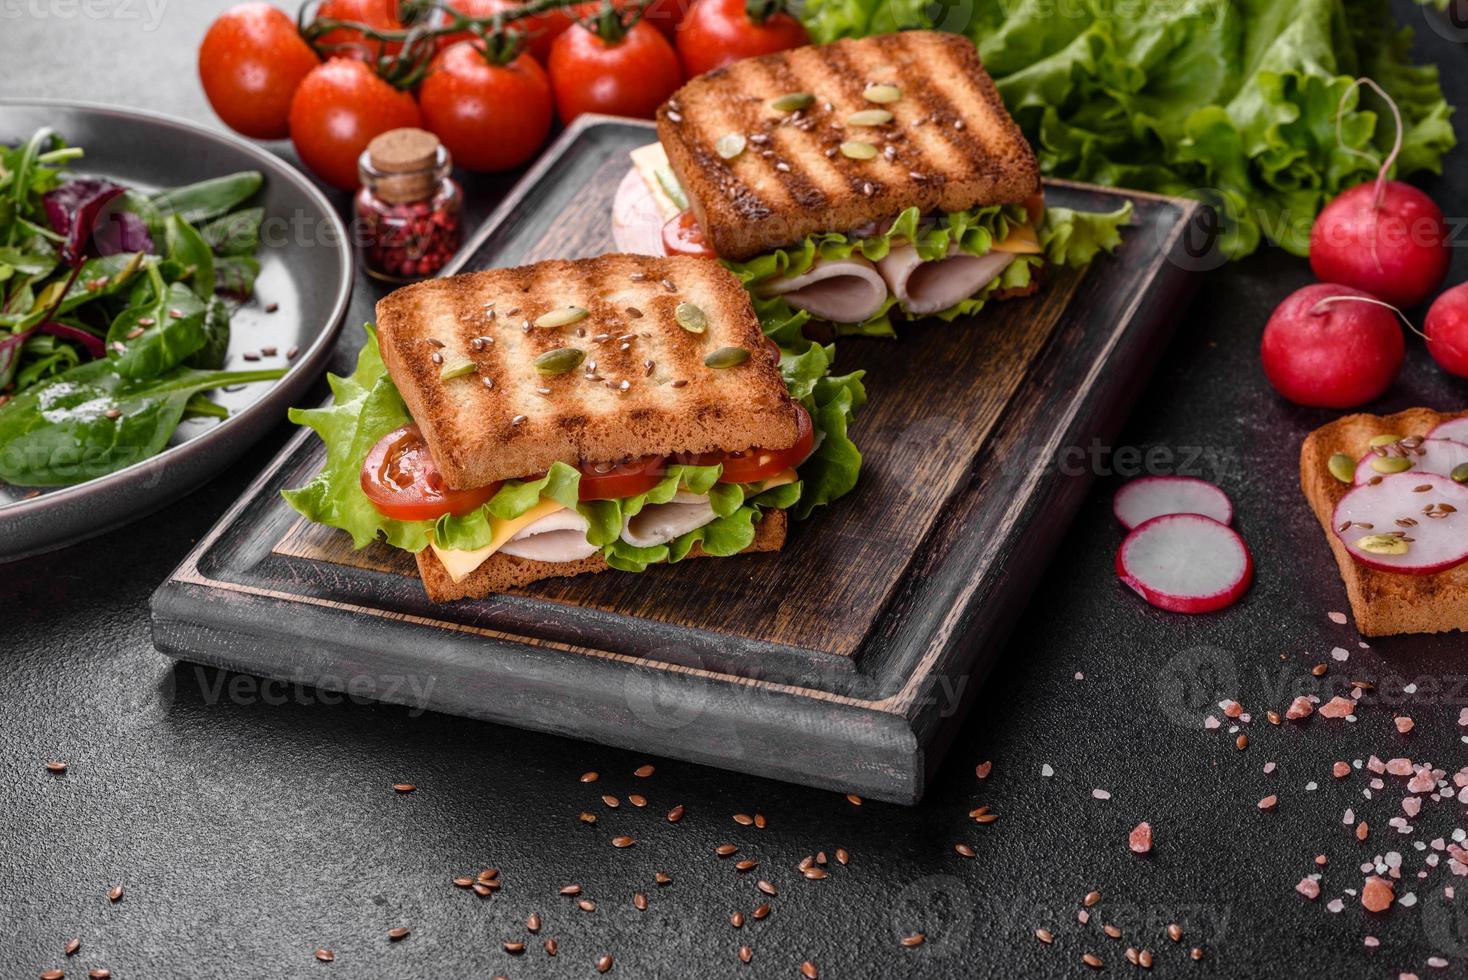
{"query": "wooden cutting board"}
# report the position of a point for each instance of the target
(843, 661)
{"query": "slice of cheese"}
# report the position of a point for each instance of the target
(1021, 241)
(651, 162)
(778, 480)
(459, 564)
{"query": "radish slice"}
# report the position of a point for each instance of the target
(1440, 456)
(1401, 509)
(1186, 563)
(1139, 501)
(1456, 430)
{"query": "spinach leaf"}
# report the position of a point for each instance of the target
(98, 277)
(149, 338)
(235, 234)
(13, 260)
(187, 247)
(208, 198)
(235, 275)
(216, 337)
(44, 355)
(91, 421)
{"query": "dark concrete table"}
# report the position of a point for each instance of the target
(250, 824)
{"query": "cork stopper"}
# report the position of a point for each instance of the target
(405, 161)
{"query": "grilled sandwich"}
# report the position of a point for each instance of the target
(569, 417)
(854, 181)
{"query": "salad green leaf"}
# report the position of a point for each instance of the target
(1230, 101)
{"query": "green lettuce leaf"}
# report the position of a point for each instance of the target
(1233, 103)
(1074, 238)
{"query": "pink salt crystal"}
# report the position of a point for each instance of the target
(1083, 916)
(1339, 618)
(1309, 887)
(1337, 707)
(1232, 709)
(1411, 805)
(1375, 764)
(1371, 942)
(1321, 859)
(1211, 723)
(1421, 783)
(1404, 724)
(1377, 894)
(1299, 708)
(1268, 802)
(1340, 770)
(1140, 839)
(1269, 767)
(983, 769)
(1399, 767)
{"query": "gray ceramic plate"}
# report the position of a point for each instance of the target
(305, 274)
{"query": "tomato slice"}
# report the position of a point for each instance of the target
(1035, 208)
(683, 236)
(754, 465)
(401, 479)
(612, 481)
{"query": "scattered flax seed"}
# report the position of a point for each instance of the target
(1174, 932)
(1144, 959)
(99, 973)
(272, 307)
(586, 905)
(745, 954)
(639, 901)
(52, 975)
(462, 882)
(551, 947)
(403, 787)
(853, 799)
(483, 890)
(1269, 802)
(1242, 742)
(1091, 899)
(1362, 830)
(809, 971)
(113, 413)
(514, 948)
(642, 772)
(963, 850)
(737, 920)
(916, 939)
(611, 801)
(588, 817)
(56, 767)
(325, 955)
(1273, 717)
(73, 946)
(762, 911)
(396, 934)
(815, 874)
(1111, 931)
(743, 819)
(623, 841)
(488, 875)
(294, 352)
(821, 858)
(759, 821)
(570, 889)
(533, 922)
(1196, 952)
(1045, 935)
(1091, 960)
(842, 856)
(746, 864)
(114, 894)
(1319, 669)
(767, 888)
(603, 963)
(1131, 955)
(986, 818)
(636, 799)
(590, 777)
(675, 814)
(663, 878)
(724, 850)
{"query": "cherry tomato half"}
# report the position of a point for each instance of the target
(754, 465)
(682, 235)
(338, 109)
(491, 117)
(401, 479)
(720, 32)
(628, 77)
(250, 63)
(609, 481)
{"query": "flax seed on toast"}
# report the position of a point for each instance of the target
(953, 145)
(613, 406)
(501, 571)
(1383, 603)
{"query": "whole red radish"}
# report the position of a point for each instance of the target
(1389, 240)
(1332, 346)
(1447, 330)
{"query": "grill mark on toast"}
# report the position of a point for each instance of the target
(800, 183)
(941, 111)
(835, 69)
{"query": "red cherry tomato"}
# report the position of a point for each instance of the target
(401, 479)
(666, 15)
(338, 109)
(540, 31)
(682, 235)
(381, 14)
(720, 32)
(491, 117)
(754, 465)
(250, 62)
(607, 481)
(629, 77)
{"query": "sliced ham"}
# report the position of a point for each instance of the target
(637, 221)
(556, 537)
(842, 290)
(923, 288)
(658, 524)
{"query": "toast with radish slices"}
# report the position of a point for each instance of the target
(1396, 525)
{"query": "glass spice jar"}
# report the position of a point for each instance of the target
(408, 207)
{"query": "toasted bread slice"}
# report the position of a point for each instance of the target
(950, 146)
(642, 390)
(503, 571)
(1384, 603)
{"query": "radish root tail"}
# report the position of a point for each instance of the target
(1386, 165)
(1318, 308)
